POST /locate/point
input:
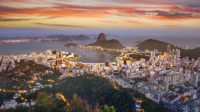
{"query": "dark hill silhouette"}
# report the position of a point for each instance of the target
(101, 37)
(71, 44)
(100, 90)
(112, 44)
(102, 42)
(161, 46)
(152, 44)
(191, 53)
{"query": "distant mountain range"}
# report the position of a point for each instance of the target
(45, 39)
(102, 42)
(69, 37)
(161, 46)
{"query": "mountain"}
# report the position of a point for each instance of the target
(98, 90)
(68, 37)
(75, 92)
(102, 42)
(101, 37)
(112, 44)
(161, 46)
(191, 53)
(45, 39)
(152, 44)
(23, 72)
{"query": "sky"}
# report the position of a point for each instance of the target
(127, 17)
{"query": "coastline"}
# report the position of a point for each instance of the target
(98, 48)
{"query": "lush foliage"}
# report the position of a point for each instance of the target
(89, 93)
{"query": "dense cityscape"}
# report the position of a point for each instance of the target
(163, 77)
(99, 56)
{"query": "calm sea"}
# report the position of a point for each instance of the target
(90, 56)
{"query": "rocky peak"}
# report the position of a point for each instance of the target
(101, 37)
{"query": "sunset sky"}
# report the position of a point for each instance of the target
(80, 15)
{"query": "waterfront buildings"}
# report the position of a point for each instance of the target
(163, 77)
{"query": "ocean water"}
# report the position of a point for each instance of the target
(89, 56)
(192, 42)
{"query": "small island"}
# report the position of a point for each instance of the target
(71, 45)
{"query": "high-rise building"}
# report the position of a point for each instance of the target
(173, 52)
(153, 54)
(107, 63)
(168, 49)
(125, 62)
(198, 82)
(194, 79)
(166, 86)
(57, 55)
(61, 54)
(187, 47)
(178, 53)
(58, 62)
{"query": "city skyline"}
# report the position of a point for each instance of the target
(100, 55)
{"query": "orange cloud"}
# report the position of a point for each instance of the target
(64, 10)
(151, 10)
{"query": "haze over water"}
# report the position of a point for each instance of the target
(88, 56)
(131, 21)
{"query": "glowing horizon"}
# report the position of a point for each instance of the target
(89, 14)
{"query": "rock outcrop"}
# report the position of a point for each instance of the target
(101, 37)
(102, 42)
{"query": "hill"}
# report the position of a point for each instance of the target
(112, 44)
(93, 90)
(161, 46)
(99, 90)
(102, 42)
(152, 44)
(101, 37)
(191, 53)
(71, 44)
(24, 72)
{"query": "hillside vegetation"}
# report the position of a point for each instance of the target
(98, 90)
(88, 93)
(161, 46)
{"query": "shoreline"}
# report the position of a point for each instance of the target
(98, 48)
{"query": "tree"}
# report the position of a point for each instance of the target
(76, 104)
(109, 109)
(46, 101)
